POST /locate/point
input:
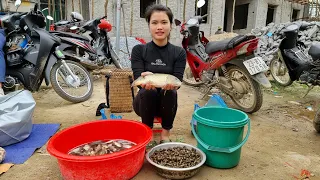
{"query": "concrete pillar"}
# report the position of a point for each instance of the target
(306, 11)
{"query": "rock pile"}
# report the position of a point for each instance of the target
(124, 55)
(221, 37)
(271, 36)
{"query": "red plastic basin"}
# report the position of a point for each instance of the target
(121, 165)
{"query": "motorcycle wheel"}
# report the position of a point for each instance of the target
(316, 121)
(188, 78)
(279, 72)
(64, 85)
(245, 80)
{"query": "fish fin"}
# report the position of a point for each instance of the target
(132, 84)
(167, 79)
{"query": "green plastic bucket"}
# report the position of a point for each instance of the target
(220, 135)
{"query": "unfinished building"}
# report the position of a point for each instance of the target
(248, 14)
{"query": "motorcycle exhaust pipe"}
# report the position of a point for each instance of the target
(85, 63)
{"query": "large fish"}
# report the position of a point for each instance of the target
(158, 80)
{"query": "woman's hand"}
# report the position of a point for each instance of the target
(147, 86)
(169, 87)
(146, 73)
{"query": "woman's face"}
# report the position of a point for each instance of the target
(159, 26)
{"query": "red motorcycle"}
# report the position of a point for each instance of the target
(229, 65)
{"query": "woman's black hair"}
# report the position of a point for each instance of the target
(158, 7)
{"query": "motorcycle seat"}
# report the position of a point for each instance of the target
(314, 51)
(223, 45)
(61, 23)
(71, 35)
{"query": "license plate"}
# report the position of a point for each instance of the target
(255, 65)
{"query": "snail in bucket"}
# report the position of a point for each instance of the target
(100, 148)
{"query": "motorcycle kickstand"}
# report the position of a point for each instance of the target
(209, 86)
(206, 93)
(309, 89)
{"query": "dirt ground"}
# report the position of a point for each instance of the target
(282, 141)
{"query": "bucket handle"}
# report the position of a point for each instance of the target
(218, 149)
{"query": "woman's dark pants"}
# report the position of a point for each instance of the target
(156, 103)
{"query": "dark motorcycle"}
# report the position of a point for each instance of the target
(90, 53)
(294, 62)
(33, 55)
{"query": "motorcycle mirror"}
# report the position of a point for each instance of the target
(17, 3)
(177, 22)
(74, 27)
(50, 18)
(200, 3)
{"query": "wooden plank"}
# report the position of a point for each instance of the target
(303, 2)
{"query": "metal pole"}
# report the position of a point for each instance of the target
(118, 26)
(178, 17)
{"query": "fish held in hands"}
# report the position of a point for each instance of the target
(157, 80)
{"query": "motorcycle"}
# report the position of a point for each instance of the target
(65, 25)
(294, 62)
(32, 55)
(91, 53)
(229, 65)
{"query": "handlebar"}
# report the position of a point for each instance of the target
(97, 21)
(200, 19)
(19, 15)
(103, 17)
(204, 16)
(35, 7)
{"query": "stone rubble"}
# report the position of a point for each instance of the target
(124, 55)
(271, 36)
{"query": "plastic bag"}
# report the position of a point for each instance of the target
(216, 100)
(16, 110)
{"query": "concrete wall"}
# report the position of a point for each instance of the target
(251, 14)
(24, 7)
(283, 12)
(257, 14)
